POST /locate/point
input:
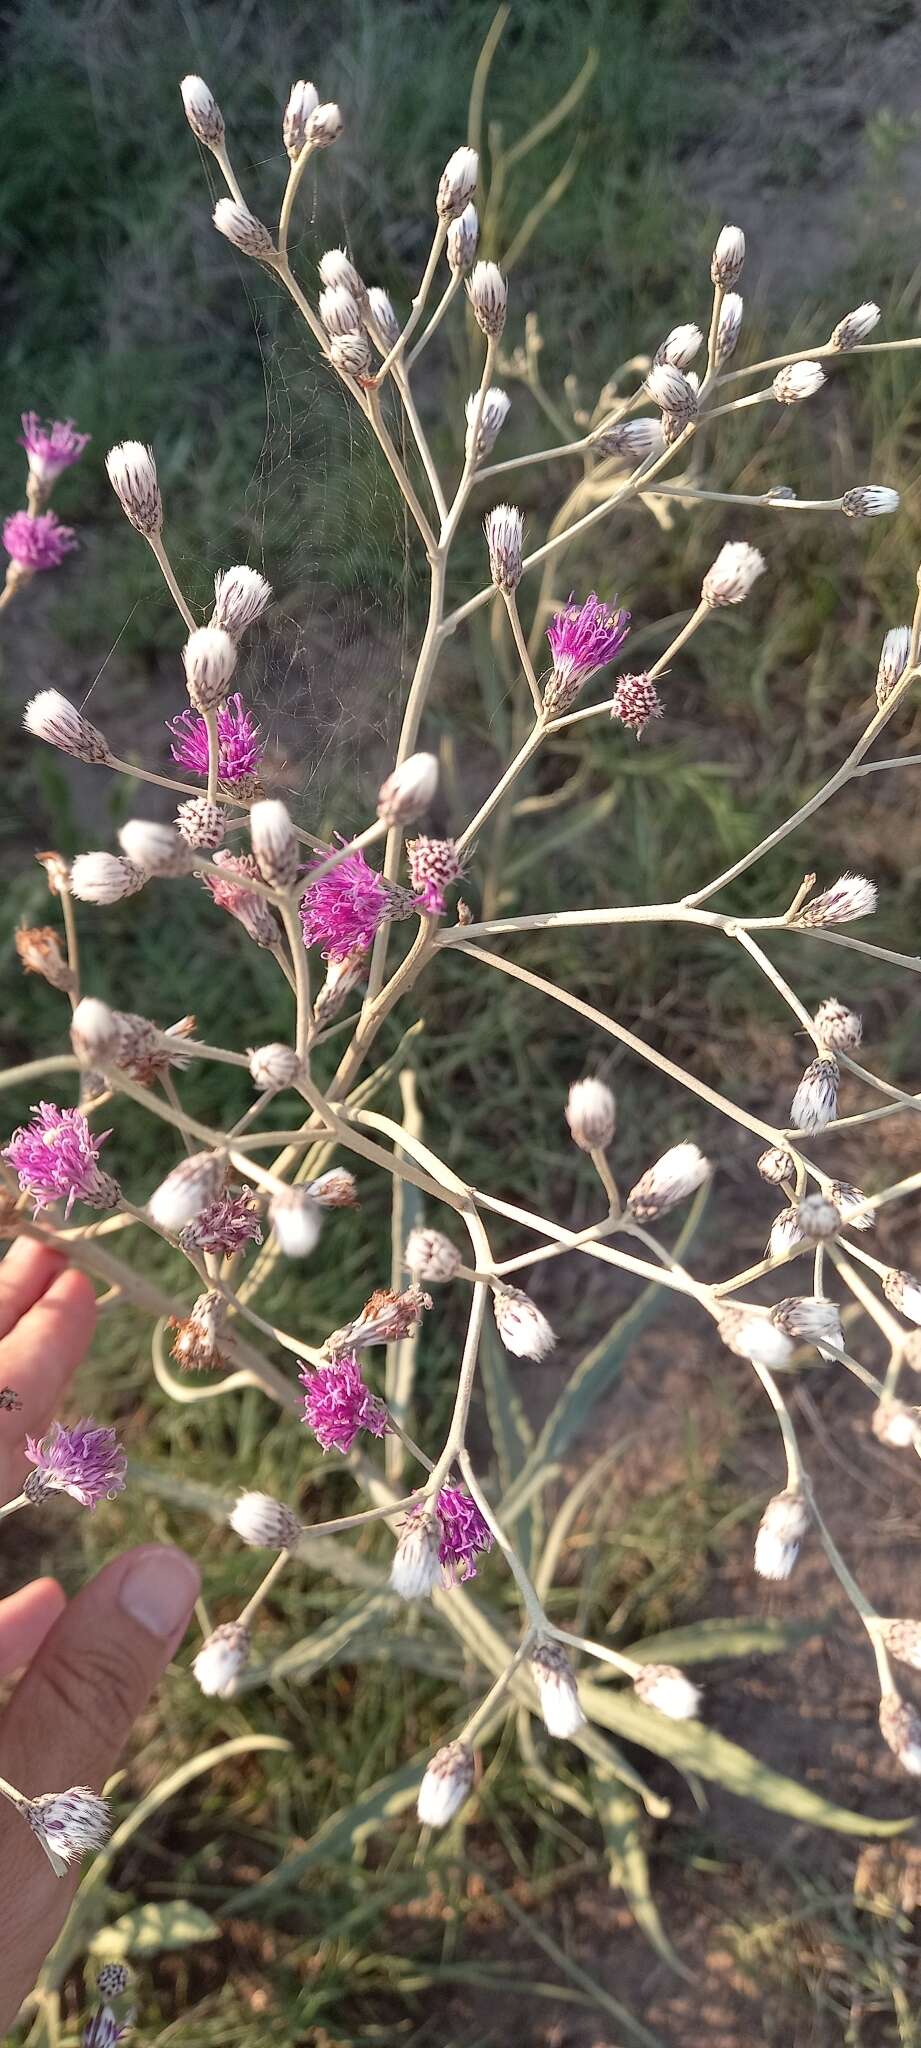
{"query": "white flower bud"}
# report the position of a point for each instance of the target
(488, 295)
(776, 1166)
(240, 598)
(504, 530)
(495, 412)
(335, 1189)
(209, 658)
(754, 1336)
(786, 1232)
(383, 316)
(783, 1525)
(667, 1689)
(415, 1571)
(408, 790)
(158, 849)
(112, 1979)
(679, 1172)
(264, 1523)
(904, 1292)
(896, 1425)
(557, 1691)
(339, 310)
(591, 1113)
(838, 1028)
(446, 1785)
(849, 897)
(222, 1657)
(243, 230)
(457, 183)
(50, 717)
(893, 662)
(198, 1343)
(430, 1255)
(274, 1066)
(523, 1330)
(202, 112)
(797, 381)
(672, 390)
(303, 101)
(634, 439)
(810, 1319)
(191, 1187)
(67, 1824)
(900, 1728)
(201, 824)
(132, 474)
(680, 346)
(855, 327)
(325, 125)
(94, 1033)
(870, 501)
(351, 354)
(902, 1638)
(847, 1199)
(338, 272)
(818, 1218)
(463, 236)
(815, 1103)
(728, 258)
(729, 327)
(730, 578)
(274, 843)
(296, 1220)
(104, 878)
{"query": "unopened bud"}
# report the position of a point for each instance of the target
(680, 346)
(264, 1523)
(339, 310)
(488, 295)
(728, 258)
(335, 1189)
(457, 183)
(523, 1330)
(201, 823)
(636, 440)
(557, 1690)
(274, 1066)
(776, 1166)
(50, 717)
(408, 790)
(191, 1186)
(783, 1525)
(493, 414)
(900, 1728)
(729, 327)
(815, 1103)
(870, 501)
(679, 1172)
(240, 598)
(904, 1292)
(591, 1113)
(222, 1657)
(338, 271)
(893, 662)
(209, 658)
(461, 245)
(325, 125)
(754, 1336)
(896, 1424)
(837, 1028)
(797, 381)
(818, 1218)
(430, 1255)
(303, 100)
(132, 474)
(730, 578)
(94, 1033)
(202, 112)
(504, 529)
(855, 327)
(903, 1641)
(112, 1980)
(810, 1319)
(416, 1571)
(667, 1689)
(296, 1221)
(849, 1200)
(158, 849)
(351, 354)
(786, 1234)
(446, 1785)
(383, 315)
(198, 1343)
(274, 843)
(849, 897)
(242, 229)
(672, 390)
(104, 878)
(39, 950)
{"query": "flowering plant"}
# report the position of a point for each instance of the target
(357, 926)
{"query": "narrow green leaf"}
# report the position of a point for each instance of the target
(340, 1836)
(150, 1930)
(621, 1818)
(702, 1642)
(301, 1660)
(692, 1747)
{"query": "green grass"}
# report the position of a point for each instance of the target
(126, 309)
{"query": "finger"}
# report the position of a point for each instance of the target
(25, 1618)
(66, 1724)
(25, 1272)
(37, 1361)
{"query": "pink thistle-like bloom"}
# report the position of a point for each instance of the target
(240, 752)
(337, 1404)
(636, 701)
(583, 638)
(463, 1533)
(50, 449)
(86, 1461)
(342, 912)
(56, 1158)
(433, 865)
(37, 540)
(225, 1226)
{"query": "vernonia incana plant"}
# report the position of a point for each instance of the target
(358, 926)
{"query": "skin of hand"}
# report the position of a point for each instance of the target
(88, 1666)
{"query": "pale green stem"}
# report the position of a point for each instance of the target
(264, 1588)
(155, 541)
(511, 606)
(537, 1620)
(295, 175)
(418, 305)
(449, 293)
(599, 1650)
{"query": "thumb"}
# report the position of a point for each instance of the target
(66, 1724)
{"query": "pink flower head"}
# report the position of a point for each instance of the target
(225, 1226)
(50, 449)
(583, 638)
(240, 752)
(37, 540)
(56, 1157)
(433, 865)
(337, 1404)
(247, 905)
(343, 910)
(86, 1461)
(463, 1533)
(636, 701)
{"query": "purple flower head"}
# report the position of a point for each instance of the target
(86, 1461)
(240, 752)
(342, 911)
(37, 540)
(50, 449)
(56, 1157)
(104, 2030)
(225, 1226)
(463, 1533)
(337, 1404)
(582, 638)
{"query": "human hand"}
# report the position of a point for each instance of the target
(89, 1666)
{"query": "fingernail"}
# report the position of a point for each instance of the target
(160, 1590)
